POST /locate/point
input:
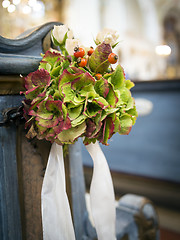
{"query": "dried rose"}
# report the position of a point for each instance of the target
(61, 33)
(108, 36)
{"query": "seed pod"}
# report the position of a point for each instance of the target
(98, 61)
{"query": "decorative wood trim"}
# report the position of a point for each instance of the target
(162, 193)
(11, 84)
(157, 85)
(28, 40)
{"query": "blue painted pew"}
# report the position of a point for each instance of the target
(22, 162)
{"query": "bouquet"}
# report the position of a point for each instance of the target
(77, 93)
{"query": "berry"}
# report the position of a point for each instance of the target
(98, 76)
(112, 58)
(81, 62)
(91, 50)
(79, 52)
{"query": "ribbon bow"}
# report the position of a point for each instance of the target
(56, 215)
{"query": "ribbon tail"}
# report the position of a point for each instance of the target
(102, 198)
(56, 215)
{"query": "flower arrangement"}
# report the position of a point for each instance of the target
(76, 93)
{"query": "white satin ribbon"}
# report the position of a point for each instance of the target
(102, 198)
(56, 215)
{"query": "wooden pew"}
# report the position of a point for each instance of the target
(22, 161)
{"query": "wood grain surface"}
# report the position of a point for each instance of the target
(32, 160)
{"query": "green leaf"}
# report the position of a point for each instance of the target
(64, 110)
(129, 84)
(45, 115)
(70, 135)
(68, 93)
(102, 87)
(93, 126)
(88, 91)
(108, 111)
(50, 57)
(78, 99)
(125, 94)
(117, 126)
(48, 67)
(56, 95)
(111, 97)
(117, 77)
(76, 88)
(98, 61)
(41, 129)
(133, 114)
(65, 64)
(72, 96)
(75, 112)
(108, 130)
(130, 103)
(102, 102)
(55, 71)
(61, 45)
(33, 93)
(87, 141)
(125, 124)
(84, 80)
(67, 77)
(48, 123)
(115, 44)
(79, 120)
(92, 108)
(56, 43)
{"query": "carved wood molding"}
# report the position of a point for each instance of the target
(10, 84)
(22, 55)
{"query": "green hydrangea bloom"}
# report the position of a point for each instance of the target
(65, 101)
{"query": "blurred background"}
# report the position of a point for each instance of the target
(149, 47)
(147, 161)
